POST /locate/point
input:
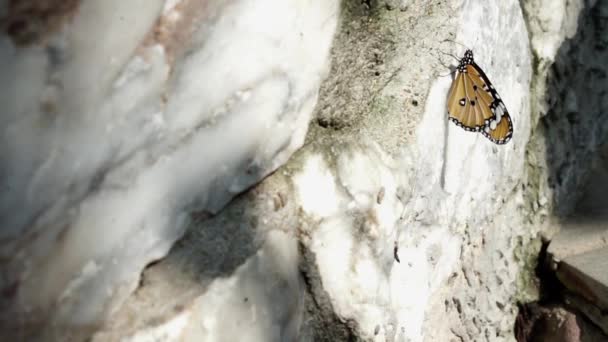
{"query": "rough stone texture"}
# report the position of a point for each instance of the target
(453, 243)
(587, 272)
(578, 236)
(120, 119)
(554, 323)
(236, 279)
(579, 253)
(381, 175)
(390, 224)
(594, 313)
(570, 45)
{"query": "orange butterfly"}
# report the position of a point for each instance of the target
(474, 104)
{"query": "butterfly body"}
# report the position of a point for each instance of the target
(475, 105)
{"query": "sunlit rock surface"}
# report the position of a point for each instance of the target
(143, 132)
(382, 177)
(125, 117)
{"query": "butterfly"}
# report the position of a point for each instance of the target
(474, 104)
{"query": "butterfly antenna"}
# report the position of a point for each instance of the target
(449, 54)
(455, 42)
(452, 68)
(448, 74)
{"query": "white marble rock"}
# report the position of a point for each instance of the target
(112, 135)
(176, 107)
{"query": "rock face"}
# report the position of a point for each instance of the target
(569, 45)
(126, 119)
(147, 132)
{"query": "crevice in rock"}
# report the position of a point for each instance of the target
(550, 318)
(571, 108)
(576, 123)
(320, 320)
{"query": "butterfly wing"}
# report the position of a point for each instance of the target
(499, 131)
(500, 128)
(475, 105)
(502, 132)
(468, 104)
(455, 111)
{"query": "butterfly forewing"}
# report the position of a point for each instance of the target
(481, 87)
(455, 110)
(464, 112)
(474, 104)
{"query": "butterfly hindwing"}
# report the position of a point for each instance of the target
(475, 105)
(501, 130)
